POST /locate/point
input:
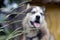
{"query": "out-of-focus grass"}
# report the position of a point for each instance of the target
(3, 37)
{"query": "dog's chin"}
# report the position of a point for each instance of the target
(35, 24)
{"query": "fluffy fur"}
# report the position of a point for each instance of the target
(35, 14)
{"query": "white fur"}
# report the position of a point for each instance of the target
(31, 17)
(38, 10)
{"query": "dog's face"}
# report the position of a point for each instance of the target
(35, 16)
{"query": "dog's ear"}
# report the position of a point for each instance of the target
(43, 8)
(28, 6)
(28, 10)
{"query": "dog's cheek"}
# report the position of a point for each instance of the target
(28, 16)
(32, 17)
(41, 19)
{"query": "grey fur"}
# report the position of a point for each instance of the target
(29, 30)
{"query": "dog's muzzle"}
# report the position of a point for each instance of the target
(35, 24)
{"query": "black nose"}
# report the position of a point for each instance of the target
(37, 17)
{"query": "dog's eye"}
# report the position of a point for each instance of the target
(33, 12)
(42, 13)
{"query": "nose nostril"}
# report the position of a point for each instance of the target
(37, 17)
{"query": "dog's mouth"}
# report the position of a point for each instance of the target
(35, 24)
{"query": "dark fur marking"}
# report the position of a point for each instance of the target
(40, 34)
(28, 10)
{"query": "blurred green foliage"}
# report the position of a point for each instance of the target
(11, 34)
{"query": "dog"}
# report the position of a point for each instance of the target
(34, 24)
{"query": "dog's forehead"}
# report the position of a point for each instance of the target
(37, 9)
(34, 9)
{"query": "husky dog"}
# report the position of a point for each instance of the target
(34, 24)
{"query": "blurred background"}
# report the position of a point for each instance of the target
(11, 15)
